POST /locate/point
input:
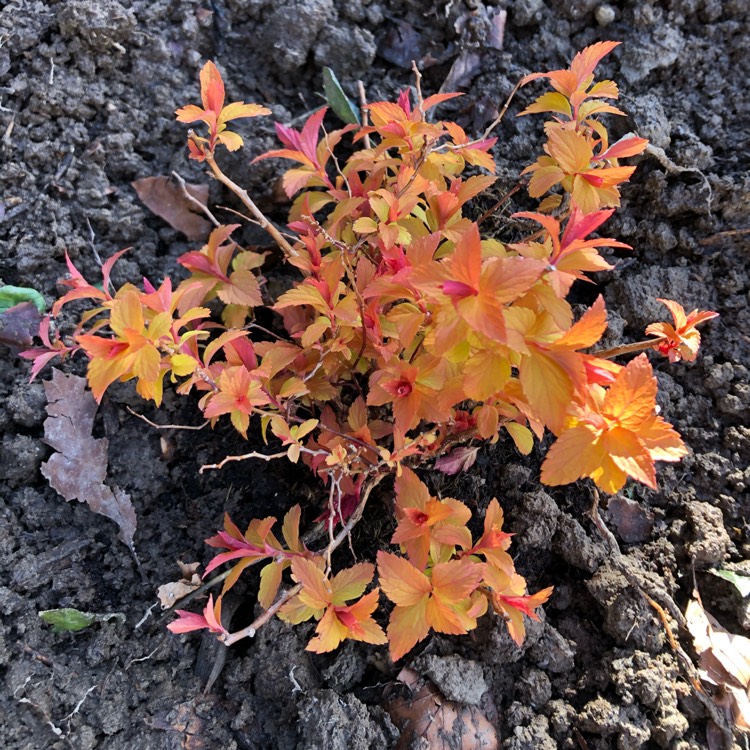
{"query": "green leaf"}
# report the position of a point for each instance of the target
(741, 583)
(337, 100)
(13, 295)
(67, 619)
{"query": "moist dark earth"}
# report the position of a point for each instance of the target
(87, 95)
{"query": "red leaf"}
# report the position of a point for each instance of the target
(458, 460)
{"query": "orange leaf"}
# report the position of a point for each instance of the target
(350, 583)
(586, 331)
(548, 386)
(575, 454)
(402, 583)
(406, 627)
(632, 397)
(455, 580)
(630, 455)
(316, 593)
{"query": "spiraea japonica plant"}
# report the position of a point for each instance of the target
(407, 341)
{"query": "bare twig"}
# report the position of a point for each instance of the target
(243, 457)
(97, 257)
(250, 220)
(500, 116)
(418, 86)
(502, 199)
(247, 201)
(168, 426)
(194, 201)
(623, 565)
(364, 113)
(146, 615)
(729, 234)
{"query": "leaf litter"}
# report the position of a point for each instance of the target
(427, 719)
(169, 202)
(79, 468)
(724, 664)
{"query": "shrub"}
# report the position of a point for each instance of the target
(407, 340)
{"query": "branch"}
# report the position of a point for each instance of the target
(247, 201)
(243, 457)
(249, 632)
(200, 206)
(637, 346)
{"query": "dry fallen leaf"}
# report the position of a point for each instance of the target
(425, 715)
(167, 200)
(169, 593)
(183, 719)
(632, 521)
(401, 44)
(79, 469)
(724, 661)
(19, 324)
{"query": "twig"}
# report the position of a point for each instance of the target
(661, 156)
(364, 112)
(418, 86)
(167, 426)
(79, 704)
(714, 238)
(145, 616)
(637, 346)
(623, 565)
(148, 656)
(486, 215)
(500, 116)
(278, 237)
(92, 245)
(250, 220)
(243, 457)
(192, 199)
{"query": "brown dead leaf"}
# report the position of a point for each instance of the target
(632, 521)
(465, 67)
(170, 593)
(184, 720)
(724, 661)
(401, 44)
(19, 324)
(79, 468)
(167, 200)
(425, 715)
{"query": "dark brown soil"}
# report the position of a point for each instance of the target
(87, 92)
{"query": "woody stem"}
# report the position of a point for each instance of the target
(638, 346)
(247, 201)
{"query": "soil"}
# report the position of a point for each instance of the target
(87, 92)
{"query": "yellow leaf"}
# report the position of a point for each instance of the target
(485, 374)
(522, 437)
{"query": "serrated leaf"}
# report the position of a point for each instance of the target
(67, 620)
(337, 100)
